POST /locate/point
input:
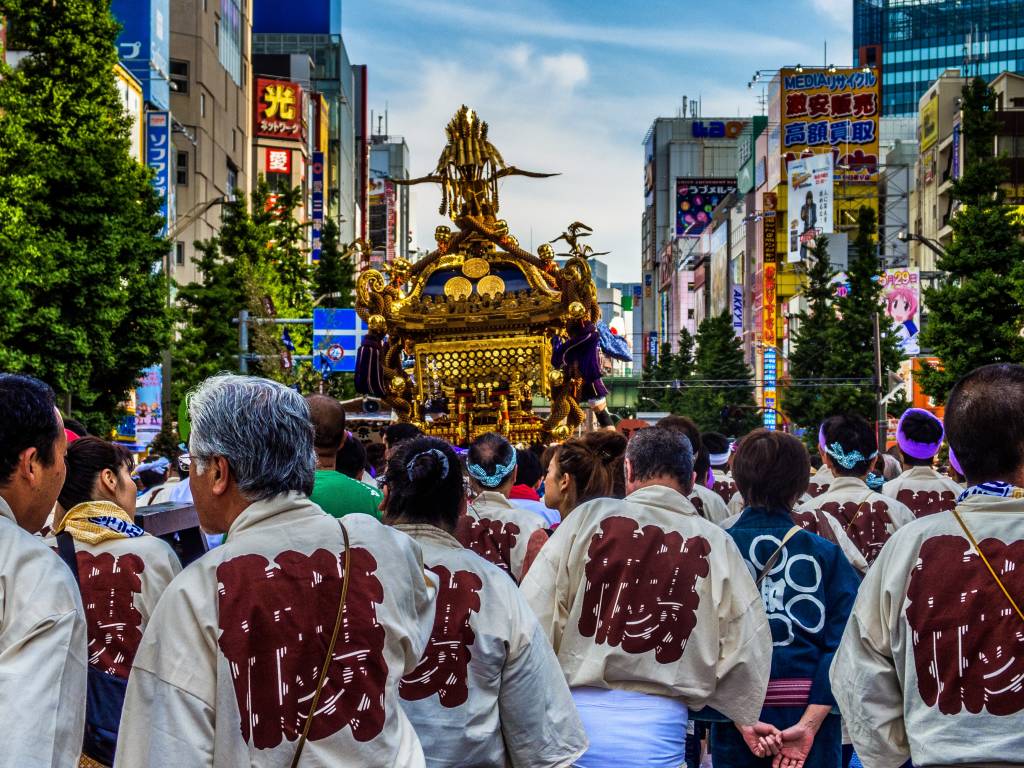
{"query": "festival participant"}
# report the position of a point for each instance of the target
(43, 658)
(931, 663)
(718, 447)
(488, 690)
(822, 477)
(336, 493)
(581, 469)
(491, 526)
(231, 670)
(807, 588)
(121, 572)
(395, 434)
(707, 502)
(151, 476)
(919, 436)
(651, 611)
(351, 460)
(867, 517)
(529, 476)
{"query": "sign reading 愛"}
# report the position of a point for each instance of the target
(279, 110)
(810, 203)
(696, 200)
(279, 160)
(836, 110)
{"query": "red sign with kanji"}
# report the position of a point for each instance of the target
(279, 110)
(279, 160)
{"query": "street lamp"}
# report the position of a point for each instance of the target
(933, 245)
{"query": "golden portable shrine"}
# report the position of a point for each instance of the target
(461, 341)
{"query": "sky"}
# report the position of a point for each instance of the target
(572, 86)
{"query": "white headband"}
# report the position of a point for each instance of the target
(719, 459)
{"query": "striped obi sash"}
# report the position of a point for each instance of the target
(788, 692)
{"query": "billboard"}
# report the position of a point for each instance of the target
(901, 297)
(928, 124)
(317, 186)
(770, 379)
(696, 200)
(149, 417)
(649, 170)
(832, 111)
(810, 193)
(279, 110)
(719, 292)
(768, 297)
(310, 17)
(144, 46)
(158, 157)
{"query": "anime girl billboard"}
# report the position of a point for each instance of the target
(901, 292)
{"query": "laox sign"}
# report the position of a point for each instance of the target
(717, 129)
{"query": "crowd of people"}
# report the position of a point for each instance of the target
(677, 598)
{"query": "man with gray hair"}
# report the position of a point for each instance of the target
(652, 612)
(291, 637)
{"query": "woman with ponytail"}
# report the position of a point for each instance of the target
(488, 689)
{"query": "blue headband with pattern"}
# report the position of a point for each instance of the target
(847, 460)
(501, 471)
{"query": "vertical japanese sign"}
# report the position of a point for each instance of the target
(391, 201)
(279, 110)
(833, 111)
(810, 193)
(317, 173)
(158, 143)
(770, 310)
(737, 310)
(770, 395)
(955, 150)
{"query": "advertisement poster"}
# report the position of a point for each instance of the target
(720, 269)
(149, 417)
(696, 200)
(837, 110)
(810, 192)
(901, 297)
(770, 396)
(928, 124)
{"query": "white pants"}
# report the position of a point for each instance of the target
(631, 730)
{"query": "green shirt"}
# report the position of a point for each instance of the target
(339, 495)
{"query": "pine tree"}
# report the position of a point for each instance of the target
(334, 272)
(84, 299)
(816, 330)
(974, 315)
(721, 395)
(850, 354)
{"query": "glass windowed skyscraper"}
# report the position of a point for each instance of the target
(914, 41)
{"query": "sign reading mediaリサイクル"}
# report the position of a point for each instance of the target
(832, 111)
(279, 110)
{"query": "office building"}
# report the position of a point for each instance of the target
(390, 227)
(210, 93)
(915, 41)
(313, 28)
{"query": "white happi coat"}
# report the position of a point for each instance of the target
(724, 485)
(932, 661)
(42, 653)
(867, 517)
(498, 531)
(708, 504)
(121, 581)
(820, 481)
(488, 690)
(231, 657)
(923, 490)
(643, 594)
(737, 505)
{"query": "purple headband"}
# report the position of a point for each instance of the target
(913, 448)
(954, 463)
(709, 481)
(821, 437)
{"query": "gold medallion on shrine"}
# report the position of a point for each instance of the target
(475, 268)
(490, 285)
(458, 288)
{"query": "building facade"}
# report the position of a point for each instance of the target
(390, 230)
(915, 41)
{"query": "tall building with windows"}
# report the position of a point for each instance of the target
(210, 97)
(313, 28)
(915, 41)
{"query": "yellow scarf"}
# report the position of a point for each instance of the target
(78, 522)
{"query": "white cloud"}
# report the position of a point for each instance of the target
(839, 11)
(566, 69)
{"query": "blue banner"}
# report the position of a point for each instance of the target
(337, 334)
(144, 45)
(158, 157)
(317, 177)
(770, 380)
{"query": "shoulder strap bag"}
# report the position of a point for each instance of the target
(777, 553)
(991, 570)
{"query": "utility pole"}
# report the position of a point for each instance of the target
(243, 341)
(882, 425)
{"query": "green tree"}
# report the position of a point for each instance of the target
(721, 395)
(816, 328)
(974, 315)
(84, 300)
(850, 354)
(334, 272)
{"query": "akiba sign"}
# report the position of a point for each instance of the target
(717, 129)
